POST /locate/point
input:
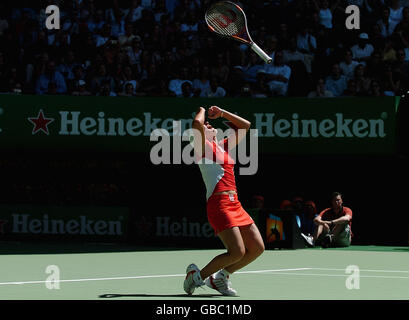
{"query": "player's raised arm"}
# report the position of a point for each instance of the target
(241, 125)
(199, 134)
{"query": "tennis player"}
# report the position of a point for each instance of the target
(231, 223)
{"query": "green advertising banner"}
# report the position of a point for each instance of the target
(357, 126)
(55, 222)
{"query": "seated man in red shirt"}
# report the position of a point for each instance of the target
(333, 225)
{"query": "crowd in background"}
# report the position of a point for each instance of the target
(163, 48)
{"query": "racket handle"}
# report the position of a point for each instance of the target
(261, 53)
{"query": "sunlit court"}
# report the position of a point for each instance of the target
(204, 157)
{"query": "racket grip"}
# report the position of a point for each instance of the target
(261, 53)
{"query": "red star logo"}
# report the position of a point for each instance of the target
(2, 223)
(40, 123)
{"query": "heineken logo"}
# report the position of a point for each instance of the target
(337, 125)
(26, 224)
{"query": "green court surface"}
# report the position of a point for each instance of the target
(115, 272)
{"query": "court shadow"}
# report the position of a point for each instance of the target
(145, 295)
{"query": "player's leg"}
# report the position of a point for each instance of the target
(234, 244)
(320, 233)
(342, 235)
(254, 245)
(233, 241)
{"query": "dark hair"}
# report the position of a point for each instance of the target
(335, 194)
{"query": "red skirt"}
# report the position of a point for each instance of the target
(224, 211)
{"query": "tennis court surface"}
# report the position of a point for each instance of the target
(117, 272)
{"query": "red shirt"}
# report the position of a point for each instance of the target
(329, 214)
(218, 175)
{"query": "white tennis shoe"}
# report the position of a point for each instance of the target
(193, 279)
(220, 282)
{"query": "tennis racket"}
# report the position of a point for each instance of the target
(227, 19)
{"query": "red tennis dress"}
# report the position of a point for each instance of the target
(217, 167)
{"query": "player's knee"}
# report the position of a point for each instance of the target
(237, 253)
(257, 249)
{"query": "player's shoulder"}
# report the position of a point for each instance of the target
(324, 211)
(347, 210)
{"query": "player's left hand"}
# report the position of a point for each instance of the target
(214, 112)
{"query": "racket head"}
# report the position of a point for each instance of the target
(227, 19)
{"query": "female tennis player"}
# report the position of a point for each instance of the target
(231, 223)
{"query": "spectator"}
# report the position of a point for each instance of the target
(257, 204)
(278, 75)
(134, 13)
(52, 76)
(150, 82)
(307, 44)
(352, 89)
(190, 27)
(401, 68)
(402, 29)
(129, 90)
(286, 205)
(66, 68)
(375, 89)
(105, 90)
(320, 91)
(135, 51)
(374, 65)
(292, 54)
(202, 83)
(336, 82)
(390, 82)
(307, 218)
(348, 65)
(102, 77)
(261, 88)
(361, 79)
(127, 76)
(105, 36)
(214, 91)
(162, 90)
(389, 53)
(220, 69)
(395, 12)
(187, 90)
(333, 225)
(250, 69)
(125, 40)
(386, 24)
(362, 51)
(96, 21)
(80, 89)
(175, 85)
(325, 12)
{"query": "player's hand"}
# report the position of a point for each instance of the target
(214, 112)
(201, 109)
(326, 226)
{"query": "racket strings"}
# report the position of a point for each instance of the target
(226, 20)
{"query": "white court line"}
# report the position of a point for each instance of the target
(338, 275)
(364, 270)
(273, 271)
(137, 277)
